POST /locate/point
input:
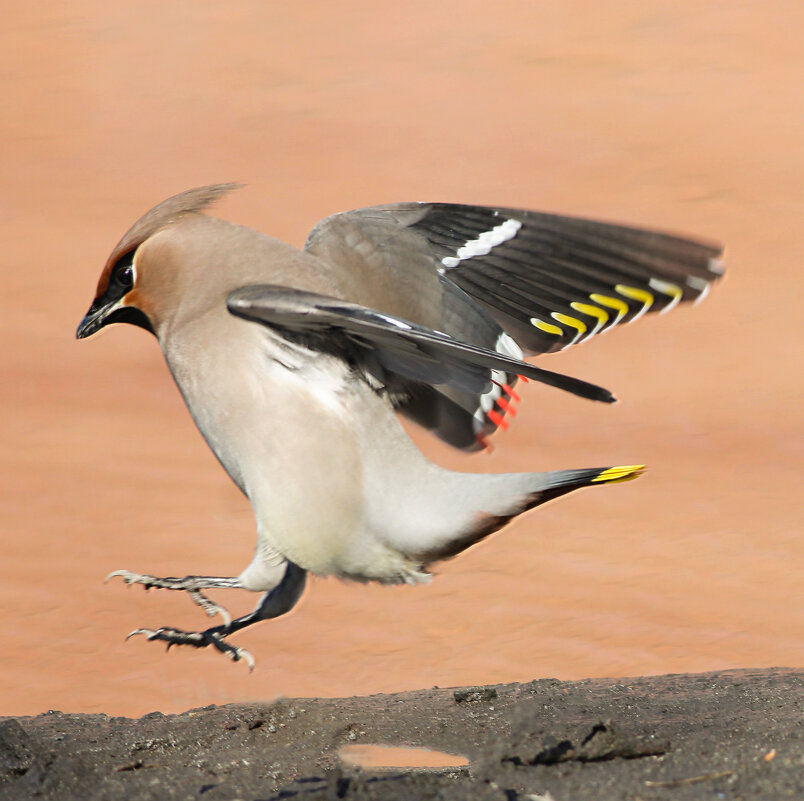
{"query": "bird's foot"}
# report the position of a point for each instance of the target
(198, 639)
(190, 584)
(210, 607)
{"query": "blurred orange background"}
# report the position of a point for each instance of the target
(679, 114)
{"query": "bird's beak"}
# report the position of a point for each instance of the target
(97, 316)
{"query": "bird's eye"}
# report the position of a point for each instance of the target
(124, 273)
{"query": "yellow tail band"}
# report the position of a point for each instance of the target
(621, 473)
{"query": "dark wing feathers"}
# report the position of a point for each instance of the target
(371, 338)
(461, 418)
(557, 280)
(510, 281)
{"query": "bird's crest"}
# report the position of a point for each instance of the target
(167, 212)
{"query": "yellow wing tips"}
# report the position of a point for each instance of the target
(620, 306)
(601, 316)
(640, 295)
(572, 322)
(548, 328)
(621, 473)
(607, 311)
(592, 311)
(673, 291)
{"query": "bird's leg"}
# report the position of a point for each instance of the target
(276, 602)
(190, 584)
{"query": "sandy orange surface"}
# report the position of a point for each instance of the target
(679, 114)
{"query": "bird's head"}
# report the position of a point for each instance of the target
(122, 295)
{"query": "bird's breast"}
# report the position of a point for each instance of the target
(281, 422)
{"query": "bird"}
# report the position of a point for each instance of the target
(297, 364)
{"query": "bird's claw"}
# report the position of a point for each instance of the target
(128, 577)
(184, 584)
(197, 639)
(210, 607)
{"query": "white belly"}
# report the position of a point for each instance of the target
(335, 482)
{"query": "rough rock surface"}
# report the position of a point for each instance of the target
(731, 735)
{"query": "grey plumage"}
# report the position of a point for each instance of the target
(293, 364)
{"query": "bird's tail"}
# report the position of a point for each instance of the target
(561, 482)
(507, 496)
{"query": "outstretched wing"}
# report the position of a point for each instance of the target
(396, 352)
(550, 281)
(507, 280)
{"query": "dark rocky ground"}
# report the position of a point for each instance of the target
(731, 735)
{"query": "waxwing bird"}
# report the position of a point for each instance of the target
(296, 363)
